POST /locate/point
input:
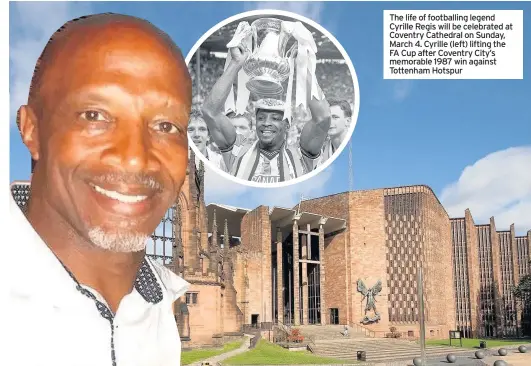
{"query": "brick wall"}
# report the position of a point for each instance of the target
(440, 296)
(256, 255)
(336, 255)
(205, 316)
(367, 253)
(473, 268)
(418, 233)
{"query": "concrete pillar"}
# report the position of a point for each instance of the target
(324, 310)
(304, 276)
(516, 277)
(296, 297)
(473, 268)
(496, 276)
(280, 276)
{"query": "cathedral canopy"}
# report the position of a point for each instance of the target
(283, 218)
(280, 218)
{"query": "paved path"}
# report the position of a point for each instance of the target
(513, 358)
(217, 359)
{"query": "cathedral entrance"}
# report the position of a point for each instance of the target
(334, 316)
(254, 320)
(297, 270)
(301, 298)
(314, 295)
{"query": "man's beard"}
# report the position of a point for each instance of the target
(120, 242)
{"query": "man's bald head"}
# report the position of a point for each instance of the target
(74, 33)
(106, 124)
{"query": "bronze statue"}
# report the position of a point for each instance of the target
(370, 295)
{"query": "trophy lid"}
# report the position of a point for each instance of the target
(272, 24)
(270, 104)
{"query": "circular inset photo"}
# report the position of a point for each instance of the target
(276, 98)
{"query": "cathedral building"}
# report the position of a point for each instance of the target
(349, 258)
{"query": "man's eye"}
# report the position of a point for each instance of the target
(93, 116)
(166, 127)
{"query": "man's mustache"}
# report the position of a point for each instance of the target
(145, 180)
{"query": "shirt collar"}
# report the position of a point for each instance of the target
(45, 277)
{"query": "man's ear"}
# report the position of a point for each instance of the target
(28, 127)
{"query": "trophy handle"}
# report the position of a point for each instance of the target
(255, 38)
(283, 39)
(292, 50)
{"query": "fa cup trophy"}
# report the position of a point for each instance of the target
(268, 66)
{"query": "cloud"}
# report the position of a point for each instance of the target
(498, 185)
(310, 10)
(31, 27)
(401, 90)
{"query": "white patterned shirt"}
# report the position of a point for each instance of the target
(52, 321)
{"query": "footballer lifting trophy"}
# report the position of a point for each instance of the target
(269, 64)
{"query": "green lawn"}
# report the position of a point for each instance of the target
(188, 357)
(474, 343)
(266, 353)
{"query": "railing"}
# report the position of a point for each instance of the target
(311, 343)
(286, 327)
(362, 329)
(382, 334)
(284, 330)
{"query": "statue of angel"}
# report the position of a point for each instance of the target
(370, 295)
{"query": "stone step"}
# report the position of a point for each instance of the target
(355, 349)
(375, 344)
(366, 346)
(369, 339)
(391, 355)
(391, 351)
(334, 338)
(379, 349)
(373, 350)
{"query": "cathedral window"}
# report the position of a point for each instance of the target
(191, 298)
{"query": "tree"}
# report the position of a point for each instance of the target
(523, 290)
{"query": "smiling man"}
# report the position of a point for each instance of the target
(105, 123)
(198, 132)
(269, 159)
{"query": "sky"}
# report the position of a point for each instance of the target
(469, 140)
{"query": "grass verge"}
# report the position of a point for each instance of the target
(188, 357)
(474, 343)
(266, 353)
